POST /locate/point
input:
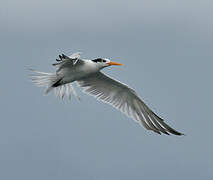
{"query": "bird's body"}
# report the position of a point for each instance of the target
(73, 73)
(87, 74)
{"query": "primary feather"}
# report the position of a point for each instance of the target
(124, 99)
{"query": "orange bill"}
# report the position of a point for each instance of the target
(114, 63)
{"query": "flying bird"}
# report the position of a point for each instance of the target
(88, 75)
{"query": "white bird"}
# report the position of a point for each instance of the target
(87, 74)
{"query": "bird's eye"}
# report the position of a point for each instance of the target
(104, 60)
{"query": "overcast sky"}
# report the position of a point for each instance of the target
(166, 48)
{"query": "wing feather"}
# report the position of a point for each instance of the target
(67, 61)
(124, 99)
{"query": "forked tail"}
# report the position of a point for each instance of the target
(45, 79)
(52, 81)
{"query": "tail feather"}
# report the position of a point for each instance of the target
(45, 79)
(52, 81)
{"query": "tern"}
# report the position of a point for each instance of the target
(88, 75)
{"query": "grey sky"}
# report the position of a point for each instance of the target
(166, 49)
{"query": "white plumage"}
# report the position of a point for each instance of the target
(87, 74)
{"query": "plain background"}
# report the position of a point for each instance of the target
(166, 49)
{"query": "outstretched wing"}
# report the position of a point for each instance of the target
(126, 100)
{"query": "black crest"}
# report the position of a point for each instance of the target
(99, 60)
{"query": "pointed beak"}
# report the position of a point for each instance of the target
(114, 63)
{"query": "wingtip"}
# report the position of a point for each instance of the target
(177, 133)
(182, 134)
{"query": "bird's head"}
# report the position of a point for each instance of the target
(103, 62)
